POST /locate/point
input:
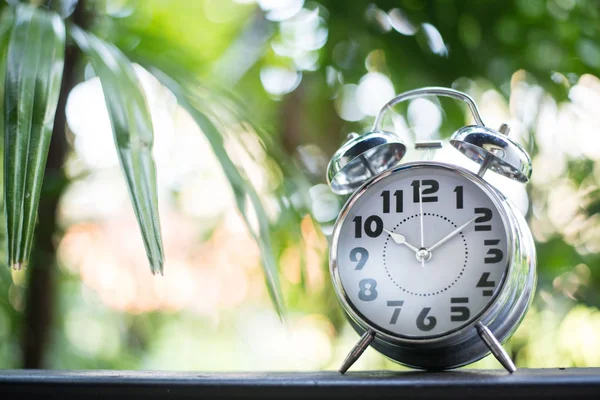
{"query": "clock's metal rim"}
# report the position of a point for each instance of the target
(382, 333)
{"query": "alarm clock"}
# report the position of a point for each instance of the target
(432, 264)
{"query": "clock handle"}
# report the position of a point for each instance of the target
(495, 347)
(357, 350)
(428, 91)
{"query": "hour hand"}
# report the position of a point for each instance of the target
(400, 239)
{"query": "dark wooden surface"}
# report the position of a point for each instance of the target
(464, 384)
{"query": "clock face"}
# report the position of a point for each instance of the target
(422, 252)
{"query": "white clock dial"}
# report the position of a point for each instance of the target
(422, 252)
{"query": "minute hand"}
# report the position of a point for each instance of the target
(451, 234)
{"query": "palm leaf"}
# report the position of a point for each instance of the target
(133, 134)
(6, 20)
(240, 185)
(34, 64)
(295, 184)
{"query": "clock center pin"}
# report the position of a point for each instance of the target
(423, 254)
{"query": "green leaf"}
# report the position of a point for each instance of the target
(241, 186)
(133, 134)
(6, 20)
(34, 65)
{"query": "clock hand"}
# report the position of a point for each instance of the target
(400, 239)
(421, 222)
(451, 234)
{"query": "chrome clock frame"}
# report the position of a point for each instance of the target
(484, 333)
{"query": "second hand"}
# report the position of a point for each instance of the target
(421, 220)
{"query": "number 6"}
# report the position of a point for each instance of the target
(424, 322)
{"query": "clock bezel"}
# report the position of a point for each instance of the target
(488, 312)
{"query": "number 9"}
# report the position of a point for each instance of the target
(364, 256)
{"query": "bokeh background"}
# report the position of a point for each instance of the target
(289, 79)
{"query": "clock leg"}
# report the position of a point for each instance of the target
(495, 347)
(357, 350)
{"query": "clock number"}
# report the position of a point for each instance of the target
(424, 322)
(434, 186)
(373, 226)
(386, 201)
(364, 256)
(486, 216)
(368, 291)
(484, 282)
(493, 255)
(459, 197)
(398, 306)
(462, 312)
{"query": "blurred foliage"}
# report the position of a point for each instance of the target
(285, 82)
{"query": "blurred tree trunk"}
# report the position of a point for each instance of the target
(40, 298)
(296, 121)
(291, 120)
